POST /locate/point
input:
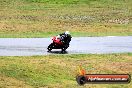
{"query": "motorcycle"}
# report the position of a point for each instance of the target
(58, 43)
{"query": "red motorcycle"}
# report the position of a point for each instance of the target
(57, 43)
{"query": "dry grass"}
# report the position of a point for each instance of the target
(9, 82)
(95, 19)
(60, 70)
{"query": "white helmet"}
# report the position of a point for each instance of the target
(67, 32)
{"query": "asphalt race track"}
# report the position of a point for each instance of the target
(78, 45)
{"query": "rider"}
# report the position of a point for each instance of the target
(65, 37)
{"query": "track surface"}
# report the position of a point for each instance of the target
(78, 45)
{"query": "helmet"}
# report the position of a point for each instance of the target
(67, 32)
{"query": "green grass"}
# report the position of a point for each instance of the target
(44, 18)
(60, 70)
(51, 34)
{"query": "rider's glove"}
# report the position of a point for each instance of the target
(57, 37)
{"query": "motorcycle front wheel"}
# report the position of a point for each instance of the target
(50, 47)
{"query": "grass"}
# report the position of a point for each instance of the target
(45, 18)
(51, 34)
(60, 70)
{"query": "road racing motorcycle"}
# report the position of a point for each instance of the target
(58, 43)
